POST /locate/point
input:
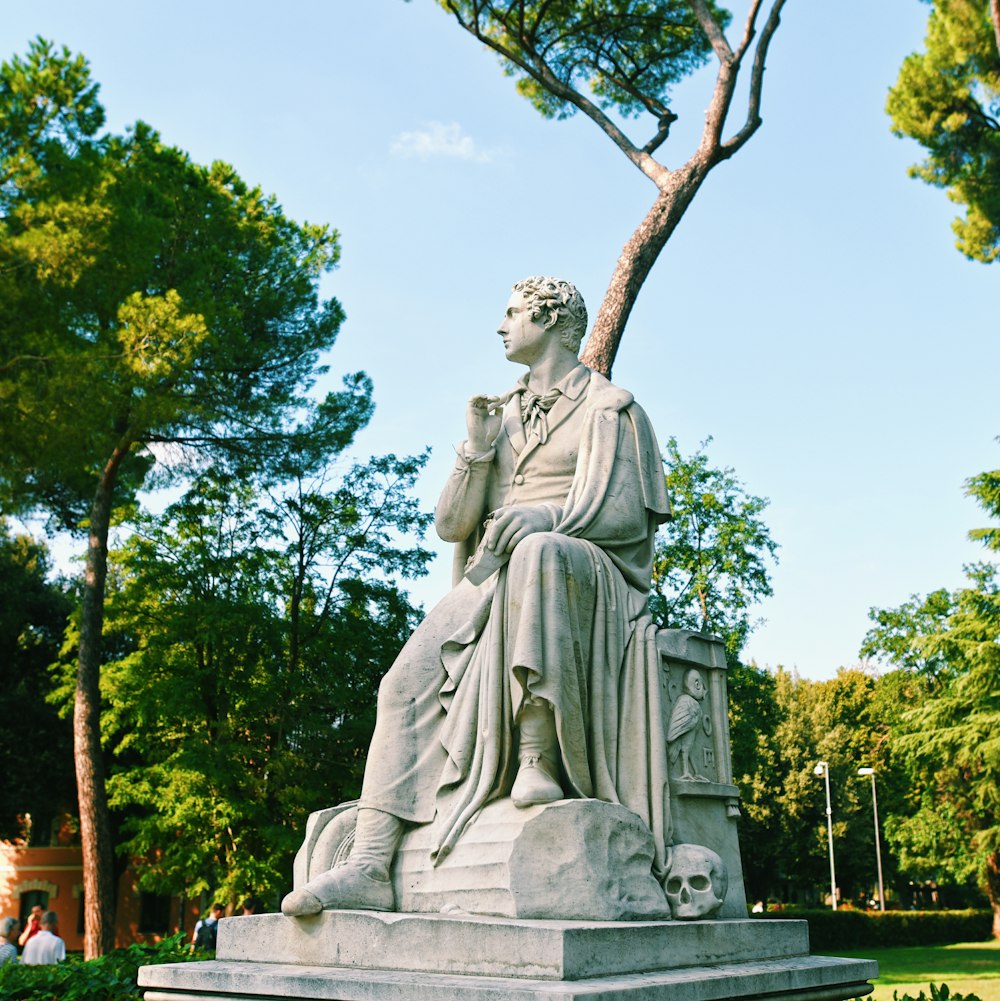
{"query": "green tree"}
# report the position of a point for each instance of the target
(846, 722)
(891, 638)
(258, 634)
(758, 770)
(798, 799)
(948, 99)
(712, 558)
(848, 732)
(35, 744)
(711, 566)
(951, 737)
(151, 309)
(628, 54)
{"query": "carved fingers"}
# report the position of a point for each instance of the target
(482, 418)
(510, 525)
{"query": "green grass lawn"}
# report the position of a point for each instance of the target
(968, 968)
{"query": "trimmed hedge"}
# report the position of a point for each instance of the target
(850, 929)
(110, 978)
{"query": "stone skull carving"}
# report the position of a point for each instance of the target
(696, 882)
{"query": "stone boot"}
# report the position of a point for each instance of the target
(536, 780)
(361, 883)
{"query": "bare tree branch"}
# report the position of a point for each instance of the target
(527, 47)
(753, 120)
(712, 29)
(749, 29)
(543, 74)
(666, 120)
(974, 109)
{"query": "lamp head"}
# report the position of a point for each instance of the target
(820, 768)
(866, 771)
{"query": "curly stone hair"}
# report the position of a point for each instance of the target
(558, 299)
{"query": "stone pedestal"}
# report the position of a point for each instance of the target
(365, 956)
(469, 926)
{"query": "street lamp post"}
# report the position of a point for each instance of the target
(878, 842)
(824, 769)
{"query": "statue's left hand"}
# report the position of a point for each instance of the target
(512, 524)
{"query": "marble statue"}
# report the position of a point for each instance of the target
(548, 800)
(537, 676)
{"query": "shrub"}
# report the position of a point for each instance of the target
(849, 929)
(110, 978)
(937, 994)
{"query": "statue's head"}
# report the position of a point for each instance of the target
(693, 684)
(555, 303)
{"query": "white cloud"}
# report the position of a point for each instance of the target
(439, 139)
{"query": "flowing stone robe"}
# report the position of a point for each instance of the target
(563, 622)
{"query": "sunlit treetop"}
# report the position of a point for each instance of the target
(628, 53)
(947, 98)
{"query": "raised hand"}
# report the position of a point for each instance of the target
(482, 418)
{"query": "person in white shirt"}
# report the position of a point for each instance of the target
(8, 950)
(45, 947)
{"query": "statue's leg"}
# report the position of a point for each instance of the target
(566, 630)
(363, 881)
(537, 773)
(406, 757)
(401, 775)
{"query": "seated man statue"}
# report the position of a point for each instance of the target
(536, 677)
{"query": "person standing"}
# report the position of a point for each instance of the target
(8, 950)
(45, 947)
(206, 930)
(32, 926)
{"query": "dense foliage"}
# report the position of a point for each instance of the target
(712, 558)
(627, 54)
(947, 98)
(110, 978)
(847, 928)
(253, 629)
(34, 741)
(950, 737)
(157, 316)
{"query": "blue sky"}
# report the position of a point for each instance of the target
(810, 313)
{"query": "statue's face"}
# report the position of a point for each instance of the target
(693, 685)
(524, 339)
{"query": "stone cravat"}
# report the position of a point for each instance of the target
(535, 410)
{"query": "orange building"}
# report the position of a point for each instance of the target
(53, 877)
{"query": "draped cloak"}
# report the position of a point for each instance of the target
(565, 622)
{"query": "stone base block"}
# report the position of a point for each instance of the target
(809, 978)
(363, 956)
(479, 946)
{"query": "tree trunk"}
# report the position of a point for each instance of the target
(993, 889)
(995, 18)
(636, 261)
(95, 825)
